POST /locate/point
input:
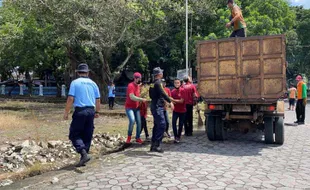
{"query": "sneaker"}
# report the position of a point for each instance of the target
(168, 135)
(128, 140)
(147, 138)
(139, 141)
(176, 141)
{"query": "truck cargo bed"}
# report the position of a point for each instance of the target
(242, 70)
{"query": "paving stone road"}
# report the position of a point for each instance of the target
(241, 162)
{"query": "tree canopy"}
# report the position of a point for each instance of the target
(133, 35)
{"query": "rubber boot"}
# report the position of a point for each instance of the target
(84, 158)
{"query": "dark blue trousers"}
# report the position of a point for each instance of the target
(82, 128)
(159, 125)
(178, 131)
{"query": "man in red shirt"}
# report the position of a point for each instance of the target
(190, 96)
(168, 92)
(132, 107)
(179, 110)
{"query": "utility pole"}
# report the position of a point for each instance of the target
(186, 4)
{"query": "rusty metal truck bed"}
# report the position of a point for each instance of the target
(242, 70)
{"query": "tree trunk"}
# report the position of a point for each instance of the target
(120, 68)
(29, 80)
(105, 77)
(73, 63)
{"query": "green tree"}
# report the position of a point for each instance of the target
(269, 17)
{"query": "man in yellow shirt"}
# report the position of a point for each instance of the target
(237, 20)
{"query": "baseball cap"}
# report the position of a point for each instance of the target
(137, 75)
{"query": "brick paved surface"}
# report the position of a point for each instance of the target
(241, 162)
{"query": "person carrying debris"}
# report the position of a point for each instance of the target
(301, 100)
(190, 97)
(132, 107)
(84, 95)
(237, 20)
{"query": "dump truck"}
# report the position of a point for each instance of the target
(242, 82)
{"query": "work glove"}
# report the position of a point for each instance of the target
(305, 101)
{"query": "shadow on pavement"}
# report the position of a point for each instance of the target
(237, 144)
(141, 154)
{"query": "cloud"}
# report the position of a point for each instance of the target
(305, 3)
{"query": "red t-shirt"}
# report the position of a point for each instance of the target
(132, 89)
(190, 90)
(167, 90)
(143, 109)
(178, 94)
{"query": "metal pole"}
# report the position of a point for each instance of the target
(187, 38)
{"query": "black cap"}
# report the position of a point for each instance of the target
(185, 79)
(230, 1)
(82, 68)
(157, 71)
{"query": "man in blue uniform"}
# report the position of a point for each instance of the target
(158, 96)
(85, 97)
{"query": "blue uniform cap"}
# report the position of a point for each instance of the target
(82, 68)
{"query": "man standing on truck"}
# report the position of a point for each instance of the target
(301, 100)
(237, 20)
(158, 96)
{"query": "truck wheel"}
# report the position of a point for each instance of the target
(211, 127)
(206, 125)
(268, 125)
(279, 130)
(219, 129)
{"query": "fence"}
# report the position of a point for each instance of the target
(120, 91)
(36, 91)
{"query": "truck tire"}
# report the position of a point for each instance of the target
(219, 129)
(268, 129)
(211, 127)
(206, 125)
(279, 131)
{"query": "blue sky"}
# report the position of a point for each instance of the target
(305, 3)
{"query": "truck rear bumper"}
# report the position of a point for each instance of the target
(241, 101)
